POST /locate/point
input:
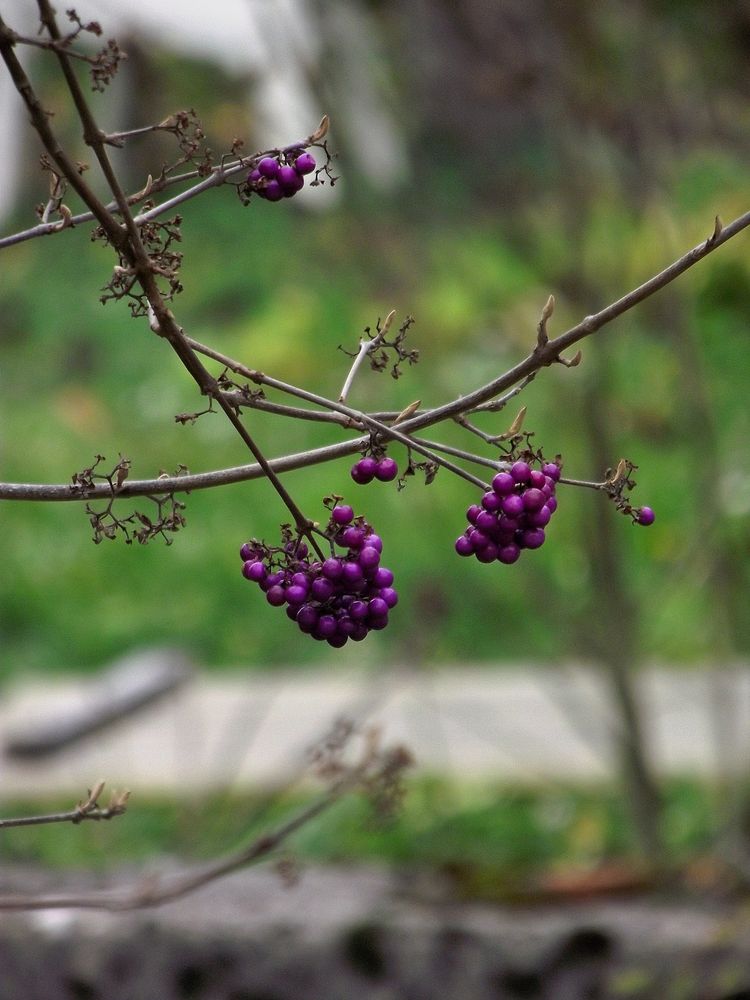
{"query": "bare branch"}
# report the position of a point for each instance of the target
(89, 808)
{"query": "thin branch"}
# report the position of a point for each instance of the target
(183, 883)
(365, 347)
(495, 405)
(88, 809)
(360, 418)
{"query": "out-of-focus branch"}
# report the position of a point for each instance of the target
(89, 808)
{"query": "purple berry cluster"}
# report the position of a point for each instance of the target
(273, 179)
(368, 468)
(512, 515)
(336, 599)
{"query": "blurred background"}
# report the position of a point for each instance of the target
(489, 154)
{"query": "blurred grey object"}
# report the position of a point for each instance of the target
(130, 683)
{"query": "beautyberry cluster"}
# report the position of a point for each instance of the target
(368, 468)
(275, 178)
(512, 515)
(336, 599)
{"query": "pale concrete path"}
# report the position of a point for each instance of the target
(530, 724)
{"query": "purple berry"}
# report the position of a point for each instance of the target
(533, 499)
(646, 516)
(363, 471)
(271, 191)
(508, 554)
(295, 595)
(337, 640)
(377, 608)
(387, 470)
(342, 514)
(491, 501)
(332, 569)
(254, 570)
(513, 505)
(326, 626)
(487, 522)
(551, 504)
(478, 539)
(374, 541)
(383, 577)
(464, 546)
(472, 513)
(488, 553)
(321, 589)
(390, 596)
(521, 472)
(290, 181)
(537, 479)
(539, 518)
(358, 610)
(276, 595)
(307, 617)
(369, 557)
(305, 163)
(533, 538)
(503, 484)
(352, 575)
(268, 167)
(352, 537)
(551, 469)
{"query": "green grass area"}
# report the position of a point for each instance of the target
(492, 839)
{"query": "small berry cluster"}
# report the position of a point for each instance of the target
(274, 180)
(368, 468)
(337, 599)
(513, 514)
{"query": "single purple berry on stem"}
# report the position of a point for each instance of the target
(386, 470)
(551, 469)
(646, 516)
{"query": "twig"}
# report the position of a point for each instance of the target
(89, 808)
(365, 346)
(357, 416)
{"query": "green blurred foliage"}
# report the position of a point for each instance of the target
(282, 289)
